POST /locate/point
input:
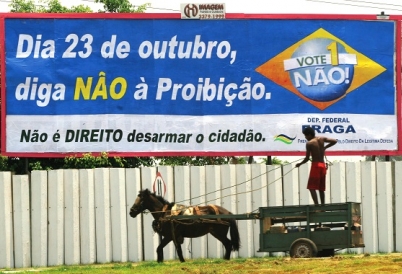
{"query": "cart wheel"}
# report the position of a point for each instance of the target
(303, 248)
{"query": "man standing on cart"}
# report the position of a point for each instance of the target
(315, 148)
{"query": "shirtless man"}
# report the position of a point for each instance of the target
(315, 148)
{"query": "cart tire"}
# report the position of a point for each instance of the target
(303, 248)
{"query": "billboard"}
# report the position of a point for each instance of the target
(158, 85)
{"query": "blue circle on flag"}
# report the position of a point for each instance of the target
(317, 76)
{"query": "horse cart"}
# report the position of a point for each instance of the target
(303, 231)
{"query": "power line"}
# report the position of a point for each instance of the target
(356, 5)
(375, 3)
(163, 9)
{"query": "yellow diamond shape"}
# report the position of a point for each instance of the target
(365, 69)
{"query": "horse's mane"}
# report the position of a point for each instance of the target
(160, 198)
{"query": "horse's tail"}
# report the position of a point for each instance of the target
(234, 235)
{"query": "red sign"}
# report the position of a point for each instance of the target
(159, 186)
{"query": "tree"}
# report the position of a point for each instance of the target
(122, 6)
(384, 158)
(22, 6)
(276, 161)
(50, 6)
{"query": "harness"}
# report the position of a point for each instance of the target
(178, 210)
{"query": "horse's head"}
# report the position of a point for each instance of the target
(141, 203)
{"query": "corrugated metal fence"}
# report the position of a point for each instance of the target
(81, 216)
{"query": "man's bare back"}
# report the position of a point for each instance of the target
(316, 148)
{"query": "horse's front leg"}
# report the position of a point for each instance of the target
(159, 249)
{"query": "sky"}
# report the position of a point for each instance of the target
(263, 6)
(391, 7)
(291, 6)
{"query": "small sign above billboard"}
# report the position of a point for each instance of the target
(203, 11)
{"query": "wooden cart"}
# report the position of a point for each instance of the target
(309, 231)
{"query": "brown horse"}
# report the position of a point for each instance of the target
(176, 230)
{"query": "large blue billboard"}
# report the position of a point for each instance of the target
(146, 86)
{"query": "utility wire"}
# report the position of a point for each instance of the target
(356, 5)
(375, 3)
(162, 9)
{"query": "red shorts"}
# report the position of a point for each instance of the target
(316, 179)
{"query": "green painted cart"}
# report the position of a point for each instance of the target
(309, 231)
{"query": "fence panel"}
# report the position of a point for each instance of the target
(275, 186)
(337, 183)
(56, 217)
(305, 196)
(398, 206)
(71, 217)
(87, 216)
(118, 214)
(384, 203)
(369, 206)
(353, 190)
(6, 225)
(39, 217)
(22, 227)
(102, 216)
(290, 188)
(290, 185)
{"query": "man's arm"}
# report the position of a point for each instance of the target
(331, 142)
(308, 153)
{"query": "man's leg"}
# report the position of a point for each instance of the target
(314, 196)
(322, 197)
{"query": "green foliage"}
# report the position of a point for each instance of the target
(122, 6)
(45, 163)
(25, 165)
(88, 161)
(22, 6)
(49, 6)
(192, 161)
(275, 161)
(3, 163)
(383, 158)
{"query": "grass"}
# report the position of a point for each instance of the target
(348, 263)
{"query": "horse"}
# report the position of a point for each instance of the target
(176, 230)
